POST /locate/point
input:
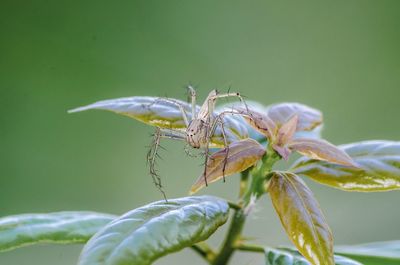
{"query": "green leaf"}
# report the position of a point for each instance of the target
(166, 113)
(302, 218)
(60, 228)
(284, 256)
(378, 169)
(161, 112)
(377, 253)
(142, 235)
(238, 157)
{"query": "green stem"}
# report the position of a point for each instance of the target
(204, 251)
(250, 248)
(260, 175)
(234, 206)
(233, 235)
(247, 192)
(244, 182)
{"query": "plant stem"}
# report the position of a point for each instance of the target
(244, 182)
(232, 236)
(250, 247)
(248, 194)
(204, 251)
(234, 206)
(259, 176)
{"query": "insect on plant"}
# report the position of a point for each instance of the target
(249, 139)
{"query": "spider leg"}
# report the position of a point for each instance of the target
(153, 154)
(208, 106)
(187, 151)
(181, 109)
(206, 153)
(192, 94)
(219, 121)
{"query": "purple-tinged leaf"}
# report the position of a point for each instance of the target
(259, 121)
(236, 158)
(287, 131)
(309, 118)
(321, 150)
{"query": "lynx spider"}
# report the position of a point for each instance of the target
(199, 130)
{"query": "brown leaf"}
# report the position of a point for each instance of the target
(321, 150)
(240, 156)
(283, 151)
(287, 131)
(302, 218)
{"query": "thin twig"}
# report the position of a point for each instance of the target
(204, 250)
(250, 248)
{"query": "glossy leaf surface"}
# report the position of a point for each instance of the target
(321, 150)
(166, 113)
(56, 228)
(309, 118)
(161, 112)
(378, 169)
(377, 253)
(302, 218)
(290, 257)
(238, 157)
(142, 235)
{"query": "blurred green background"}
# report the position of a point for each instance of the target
(342, 57)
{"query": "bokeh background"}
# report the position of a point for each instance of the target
(342, 57)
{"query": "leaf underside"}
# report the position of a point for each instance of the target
(302, 218)
(165, 113)
(321, 150)
(142, 235)
(308, 118)
(56, 228)
(378, 169)
(286, 256)
(377, 253)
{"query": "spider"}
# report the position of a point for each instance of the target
(199, 130)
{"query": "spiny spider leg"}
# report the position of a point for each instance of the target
(206, 151)
(153, 153)
(220, 121)
(151, 159)
(192, 94)
(212, 99)
(181, 109)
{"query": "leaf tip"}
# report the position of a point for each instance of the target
(79, 109)
(195, 188)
